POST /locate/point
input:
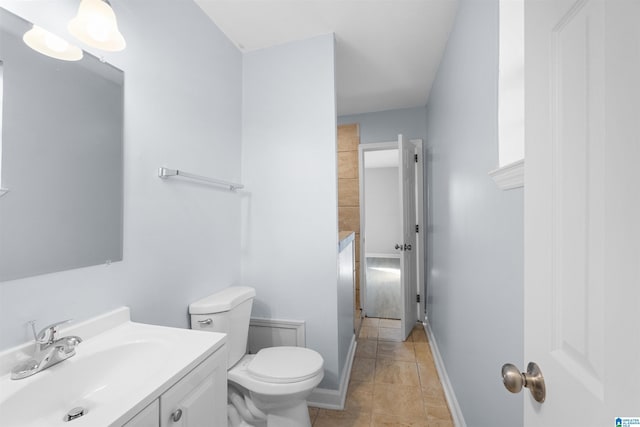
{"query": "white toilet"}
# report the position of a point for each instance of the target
(269, 388)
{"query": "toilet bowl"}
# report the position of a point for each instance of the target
(275, 382)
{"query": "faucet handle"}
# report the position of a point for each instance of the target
(48, 334)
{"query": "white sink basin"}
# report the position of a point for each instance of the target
(113, 376)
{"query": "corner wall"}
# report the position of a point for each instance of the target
(290, 218)
(475, 243)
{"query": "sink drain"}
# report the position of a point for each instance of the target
(74, 413)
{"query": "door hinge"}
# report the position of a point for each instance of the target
(418, 298)
(417, 228)
(415, 156)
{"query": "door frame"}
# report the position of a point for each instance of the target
(420, 238)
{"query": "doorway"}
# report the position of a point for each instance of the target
(382, 215)
(391, 207)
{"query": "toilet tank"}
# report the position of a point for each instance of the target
(227, 311)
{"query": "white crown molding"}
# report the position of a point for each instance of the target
(509, 176)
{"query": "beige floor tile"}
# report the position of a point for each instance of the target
(389, 334)
(313, 413)
(428, 366)
(438, 413)
(418, 334)
(399, 400)
(366, 349)
(429, 381)
(374, 322)
(368, 333)
(392, 383)
(396, 350)
(423, 353)
(436, 400)
(390, 323)
(438, 423)
(389, 371)
(363, 370)
(383, 420)
(328, 418)
(359, 398)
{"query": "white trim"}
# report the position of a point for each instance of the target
(509, 176)
(452, 401)
(335, 399)
(420, 243)
(420, 207)
(296, 325)
(262, 332)
(381, 255)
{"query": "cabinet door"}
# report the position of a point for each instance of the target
(148, 417)
(200, 398)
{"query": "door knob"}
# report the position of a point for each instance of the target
(407, 247)
(513, 380)
(399, 246)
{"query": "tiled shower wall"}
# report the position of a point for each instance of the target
(349, 190)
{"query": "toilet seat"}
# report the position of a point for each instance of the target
(284, 365)
(240, 375)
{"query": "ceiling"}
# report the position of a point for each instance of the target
(387, 51)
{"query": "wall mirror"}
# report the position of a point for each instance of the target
(61, 155)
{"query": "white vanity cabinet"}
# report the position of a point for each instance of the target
(124, 374)
(199, 399)
(148, 417)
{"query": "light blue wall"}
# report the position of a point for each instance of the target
(183, 92)
(384, 126)
(290, 218)
(475, 245)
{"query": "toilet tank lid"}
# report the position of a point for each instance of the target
(223, 300)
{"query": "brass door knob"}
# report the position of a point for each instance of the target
(513, 380)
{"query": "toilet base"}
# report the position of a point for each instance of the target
(291, 416)
(247, 408)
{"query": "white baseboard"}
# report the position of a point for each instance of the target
(452, 401)
(335, 399)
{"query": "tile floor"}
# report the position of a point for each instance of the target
(393, 383)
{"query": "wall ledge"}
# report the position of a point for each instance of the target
(509, 176)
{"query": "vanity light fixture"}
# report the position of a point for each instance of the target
(95, 24)
(47, 43)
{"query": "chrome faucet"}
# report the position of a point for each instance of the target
(49, 351)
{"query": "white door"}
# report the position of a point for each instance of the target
(408, 229)
(582, 210)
